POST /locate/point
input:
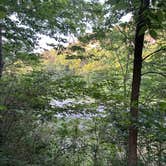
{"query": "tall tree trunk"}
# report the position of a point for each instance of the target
(1, 67)
(1, 56)
(136, 82)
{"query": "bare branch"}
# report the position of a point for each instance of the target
(154, 72)
(147, 56)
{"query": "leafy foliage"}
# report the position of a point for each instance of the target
(71, 107)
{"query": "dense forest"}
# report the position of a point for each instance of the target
(99, 100)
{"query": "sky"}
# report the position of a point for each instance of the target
(45, 40)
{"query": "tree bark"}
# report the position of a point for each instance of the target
(1, 54)
(136, 82)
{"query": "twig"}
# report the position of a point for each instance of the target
(143, 158)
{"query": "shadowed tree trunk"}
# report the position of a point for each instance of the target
(1, 56)
(136, 82)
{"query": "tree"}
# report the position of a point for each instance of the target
(74, 108)
(136, 82)
(1, 59)
(22, 21)
(147, 18)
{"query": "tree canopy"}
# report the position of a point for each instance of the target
(99, 101)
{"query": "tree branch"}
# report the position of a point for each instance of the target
(154, 72)
(147, 56)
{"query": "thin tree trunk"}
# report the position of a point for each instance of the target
(1, 67)
(1, 54)
(136, 82)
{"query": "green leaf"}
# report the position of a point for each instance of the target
(142, 30)
(2, 14)
(2, 107)
(162, 105)
(153, 33)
